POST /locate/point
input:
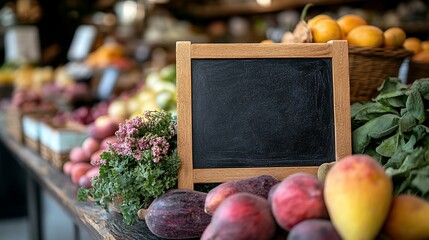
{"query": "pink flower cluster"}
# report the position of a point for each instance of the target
(145, 138)
(98, 162)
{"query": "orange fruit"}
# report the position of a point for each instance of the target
(413, 44)
(267, 41)
(425, 45)
(422, 57)
(349, 22)
(326, 30)
(366, 36)
(394, 37)
(317, 18)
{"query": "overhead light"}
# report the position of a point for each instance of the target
(264, 3)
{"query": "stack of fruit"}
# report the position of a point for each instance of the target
(419, 62)
(84, 160)
(353, 201)
(158, 92)
(355, 30)
(110, 54)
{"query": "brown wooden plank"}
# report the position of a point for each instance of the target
(341, 84)
(184, 114)
(257, 50)
(216, 175)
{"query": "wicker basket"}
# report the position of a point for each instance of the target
(32, 144)
(369, 67)
(416, 71)
(45, 152)
(14, 125)
(58, 140)
(58, 159)
(14, 118)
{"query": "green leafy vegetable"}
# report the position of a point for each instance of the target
(142, 166)
(393, 129)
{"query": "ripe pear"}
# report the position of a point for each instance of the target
(358, 195)
(408, 218)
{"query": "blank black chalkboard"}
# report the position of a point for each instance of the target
(250, 109)
(262, 112)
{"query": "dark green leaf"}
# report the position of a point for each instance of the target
(412, 161)
(415, 105)
(420, 131)
(406, 123)
(421, 181)
(403, 185)
(375, 128)
(422, 85)
(398, 102)
(392, 99)
(391, 84)
(389, 146)
(396, 160)
(371, 152)
(369, 111)
(359, 106)
(409, 146)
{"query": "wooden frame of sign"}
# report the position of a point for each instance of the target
(335, 51)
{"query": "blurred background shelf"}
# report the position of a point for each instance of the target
(223, 8)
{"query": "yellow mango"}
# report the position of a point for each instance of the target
(358, 195)
(408, 219)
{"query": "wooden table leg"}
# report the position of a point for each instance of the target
(76, 231)
(34, 212)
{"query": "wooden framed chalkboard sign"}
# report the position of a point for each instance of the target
(251, 109)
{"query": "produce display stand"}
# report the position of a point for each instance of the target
(99, 223)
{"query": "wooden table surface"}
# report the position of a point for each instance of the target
(99, 223)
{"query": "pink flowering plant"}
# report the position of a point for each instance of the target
(140, 167)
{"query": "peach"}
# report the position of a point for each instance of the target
(105, 143)
(408, 218)
(84, 181)
(297, 198)
(103, 127)
(90, 145)
(358, 194)
(241, 216)
(77, 154)
(95, 157)
(67, 167)
(94, 171)
(78, 170)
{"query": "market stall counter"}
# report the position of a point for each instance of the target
(99, 224)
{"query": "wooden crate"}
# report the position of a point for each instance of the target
(14, 120)
(14, 125)
(57, 141)
(31, 130)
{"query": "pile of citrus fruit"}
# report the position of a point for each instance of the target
(419, 48)
(355, 30)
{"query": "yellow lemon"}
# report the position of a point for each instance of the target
(317, 18)
(413, 44)
(349, 22)
(326, 30)
(394, 37)
(366, 36)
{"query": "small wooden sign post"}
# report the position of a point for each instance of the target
(250, 109)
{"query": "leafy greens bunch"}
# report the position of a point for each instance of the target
(142, 166)
(394, 130)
